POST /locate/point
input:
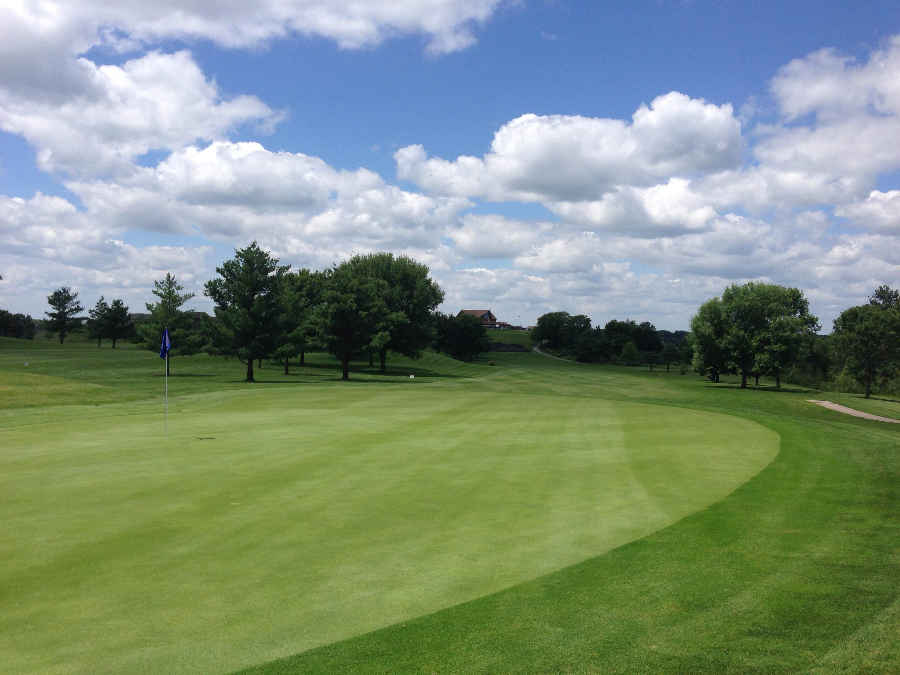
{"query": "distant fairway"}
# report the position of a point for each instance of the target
(476, 515)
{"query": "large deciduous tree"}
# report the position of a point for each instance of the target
(461, 337)
(350, 321)
(247, 305)
(63, 319)
(550, 329)
(754, 328)
(410, 298)
(868, 339)
(167, 313)
(707, 337)
(788, 332)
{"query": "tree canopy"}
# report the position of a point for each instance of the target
(868, 339)
(461, 337)
(247, 297)
(167, 313)
(410, 298)
(755, 328)
(63, 318)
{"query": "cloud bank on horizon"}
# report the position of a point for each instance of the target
(645, 217)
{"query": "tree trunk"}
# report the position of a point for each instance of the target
(651, 366)
(62, 338)
(778, 380)
(302, 358)
(371, 359)
(98, 342)
(114, 343)
(383, 356)
(259, 363)
(868, 390)
(743, 380)
(757, 379)
(667, 367)
(287, 364)
(250, 371)
(717, 378)
(346, 375)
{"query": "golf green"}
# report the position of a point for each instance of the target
(278, 519)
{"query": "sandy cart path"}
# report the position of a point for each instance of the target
(855, 413)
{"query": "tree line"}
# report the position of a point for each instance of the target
(368, 306)
(626, 343)
(753, 330)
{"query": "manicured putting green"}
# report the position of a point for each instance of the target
(275, 520)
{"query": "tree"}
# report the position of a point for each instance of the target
(629, 356)
(16, 325)
(64, 319)
(300, 294)
(765, 326)
(350, 320)
(670, 354)
(550, 329)
(96, 324)
(119, 325)
(707, 337)
(167, 313)
(410, 298)
(461, 337)
(247, 306)
(886, 298)
(868, 338)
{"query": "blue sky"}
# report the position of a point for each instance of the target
(130, 123)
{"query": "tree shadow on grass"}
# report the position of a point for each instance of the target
(763, 388)
(392, 371)
(186, 375)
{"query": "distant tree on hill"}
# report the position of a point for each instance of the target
(247, 297)
(629, 356)
(167, 313)
(868, 340)
(461, 337)
(119, 325)
(63, 319)
(644, 335)
(19, 326)
(670, 354)
(550, 329)
(96, 323)
(592, 346)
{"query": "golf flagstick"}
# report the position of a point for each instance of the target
(164, 354)
(167, 394)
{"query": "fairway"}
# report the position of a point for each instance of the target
(277, 519)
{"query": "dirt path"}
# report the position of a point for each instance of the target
(550, 356)
(855, 413)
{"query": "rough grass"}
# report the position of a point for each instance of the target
(108, 534)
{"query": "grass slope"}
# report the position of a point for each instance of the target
(797, 570)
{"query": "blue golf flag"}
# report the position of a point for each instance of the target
(164, 347)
